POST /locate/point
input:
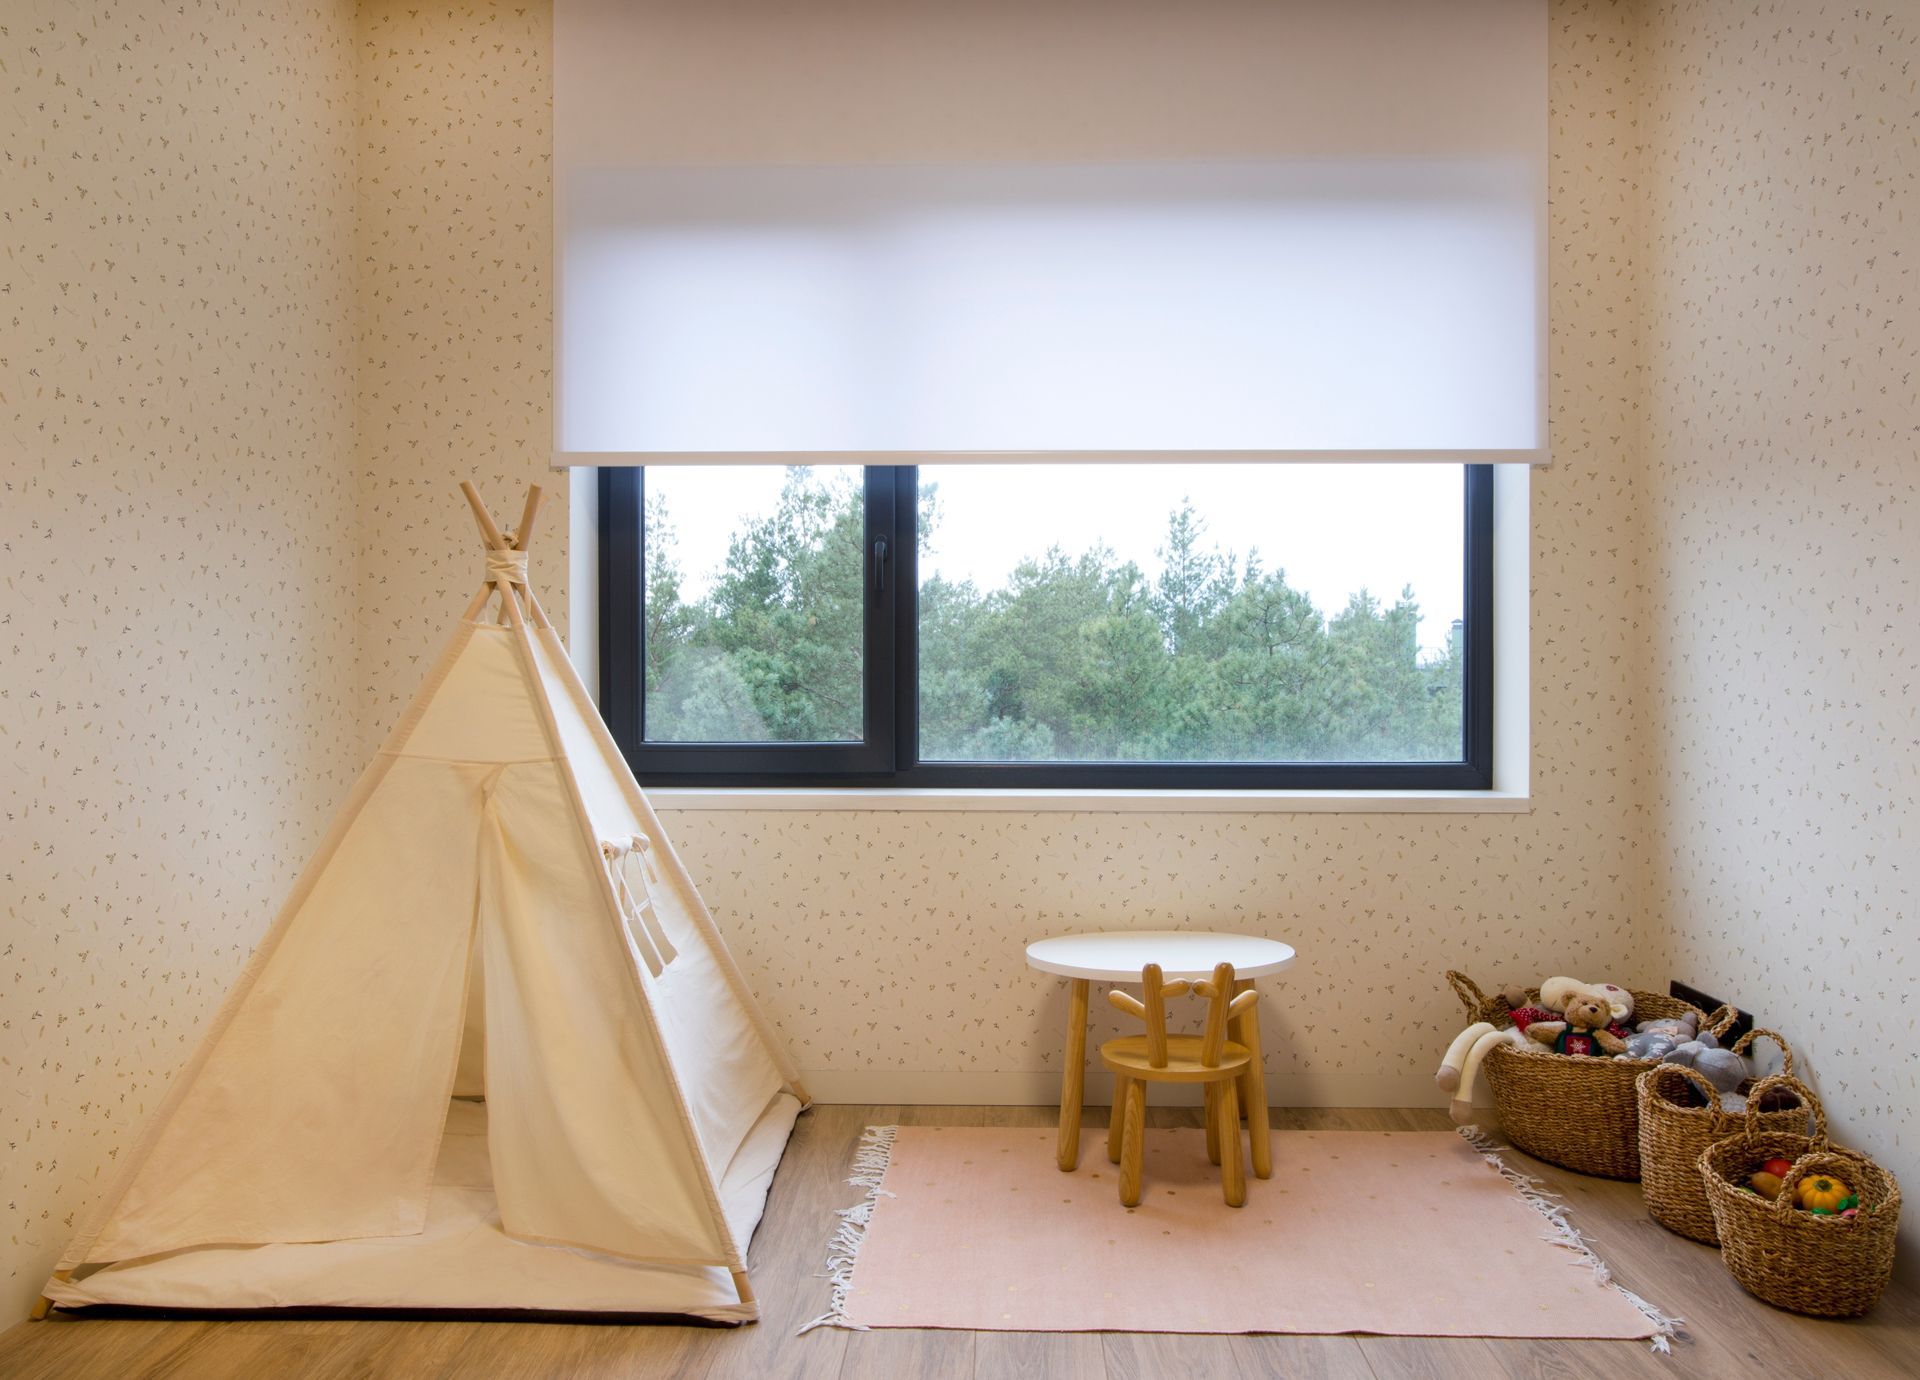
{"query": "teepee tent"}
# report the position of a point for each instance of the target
(493, 1055)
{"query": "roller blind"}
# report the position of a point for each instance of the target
(1052, 229)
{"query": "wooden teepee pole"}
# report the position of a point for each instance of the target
(523, 534)
(488, 531)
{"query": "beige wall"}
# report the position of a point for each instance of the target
(1782, 430)
(178, 711)
(455, 153)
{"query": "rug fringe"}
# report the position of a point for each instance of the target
(1562, 1232)
(869, 1171)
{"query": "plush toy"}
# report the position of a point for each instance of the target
(1589, 1019)
(1525, 1016)
(1620, 1002)
(1649, 1044)
(1557, 992)
(1678, 1029)
(1720, 1067)
(1453, 1064)
(1460, 1069)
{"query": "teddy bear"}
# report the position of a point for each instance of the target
(1555, 991)
(1460, 1068)
(1588, 1017)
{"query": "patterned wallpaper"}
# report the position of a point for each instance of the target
(178, 710)
(1782, 431)
(454, 243)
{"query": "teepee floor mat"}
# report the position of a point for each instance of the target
(461, 1264)
(552, 1316)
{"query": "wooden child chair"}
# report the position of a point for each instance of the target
(1157, 1057)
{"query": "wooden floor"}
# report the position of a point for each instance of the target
(1731, 1334)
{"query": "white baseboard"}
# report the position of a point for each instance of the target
(1038, 1088)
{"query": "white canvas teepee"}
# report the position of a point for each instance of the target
(493, 1054)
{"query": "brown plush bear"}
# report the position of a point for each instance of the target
(1586, 1011)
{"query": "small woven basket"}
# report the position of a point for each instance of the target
(1672, 1135)
(1830, 1267)
(1579, 1112)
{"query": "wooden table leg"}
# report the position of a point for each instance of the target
(1073, 1079)
(1253, 1087)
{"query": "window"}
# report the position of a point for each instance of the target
(1233, 626)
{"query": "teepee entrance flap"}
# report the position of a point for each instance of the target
(588, 1145)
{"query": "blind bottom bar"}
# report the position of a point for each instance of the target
(572, 459)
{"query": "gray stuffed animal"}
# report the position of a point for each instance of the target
(1677, 1028)
(1720, 1067)
(1650, 1044)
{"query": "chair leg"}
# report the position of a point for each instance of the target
(1212, 1118)
(1132, 1142)
(1233, 1179)
(1117, 1116)
(1253, 1091)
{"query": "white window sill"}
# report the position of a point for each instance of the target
(748, 798)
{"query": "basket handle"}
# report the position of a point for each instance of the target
(1799, 1090)
(1819, 1160)
(1470, 995)
(1663, 1073)
(1745, 1042)
(1720, 1020)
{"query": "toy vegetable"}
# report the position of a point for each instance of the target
(1822, 1193)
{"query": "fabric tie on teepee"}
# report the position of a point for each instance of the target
(649, 935)
(510, 566)
(640, 845)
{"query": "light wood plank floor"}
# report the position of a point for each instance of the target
(1732, 1335)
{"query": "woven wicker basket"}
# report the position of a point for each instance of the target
(1672, 1135)
(1577, 1112)
(1830, 1267)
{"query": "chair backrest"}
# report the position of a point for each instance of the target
(1151, 1007)
(1152, 1010)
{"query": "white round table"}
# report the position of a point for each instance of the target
(1118, 956)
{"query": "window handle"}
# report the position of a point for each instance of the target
(880, 565)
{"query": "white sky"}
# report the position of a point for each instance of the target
(1333, 528)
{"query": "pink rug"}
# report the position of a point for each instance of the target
(1406, 1234)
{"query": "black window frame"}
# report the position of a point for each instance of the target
(889, 754)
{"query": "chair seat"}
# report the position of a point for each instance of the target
(1128, 1055)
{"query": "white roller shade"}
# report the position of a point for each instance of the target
(1095, 229)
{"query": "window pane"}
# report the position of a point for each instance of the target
(1217, 613)
(754, 604)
